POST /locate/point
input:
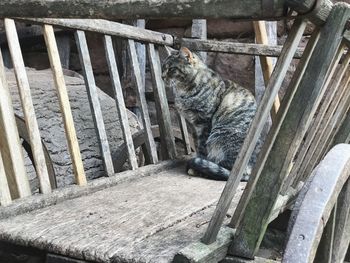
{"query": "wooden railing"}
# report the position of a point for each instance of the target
(14, 181)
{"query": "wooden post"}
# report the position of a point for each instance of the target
(94, 101)
(73, 145)
(259, 208)
(255, 129)
(343, 134)
(119, 99)
(27, 106)
(11, 150)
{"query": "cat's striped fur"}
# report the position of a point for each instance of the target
(220, 112)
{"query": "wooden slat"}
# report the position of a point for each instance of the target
(71, 136)
(255, 130)
(294, 83)
(94, 101)
(184, 134)
(182, 122)
(293, 128)
(343, 134)
(110, 28)
(27, 106)
(332, 98)
(266, 62)
(150, 144)
(235, 48)
(119, 99)
(11, 150)
(5, 195)
(328, 133)
(163, 113)
(199, 31)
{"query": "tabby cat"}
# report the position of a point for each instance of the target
(220, 112)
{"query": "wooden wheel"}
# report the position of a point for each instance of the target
(320, 224)
(23, 134)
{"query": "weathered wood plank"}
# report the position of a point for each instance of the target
(315, 203)
(235, 48)
(266, 63)
(95, 107)
(163, 113)
(255, 218)
(71, 136)
(110, 28)
(255, 130)
(131, 9)
(321, 121)
(10, 146)
(150, 144)
(27, 106)
(294, 83)
(5, 195)
(119, 99)
(73, 191)
(199, 31)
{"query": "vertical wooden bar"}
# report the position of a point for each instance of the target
(184, 134)
(163, 114)
(322, 142)
(183, 124)
(5, 195)
(326, 121)
(304, 104)
(94, 101)
(255, 129)
(57, 72)
(199, 30)
(321, 120)
(343, 134)
(27, 106)
(293, 85)
(331, 98)
(150, 144)
(10, 146)
(266, 62)
(119, 99)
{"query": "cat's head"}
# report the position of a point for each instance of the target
(180, 65)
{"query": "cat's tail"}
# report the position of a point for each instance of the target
(208, 169)
(212, 170)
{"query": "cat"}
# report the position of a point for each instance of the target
(220, 111)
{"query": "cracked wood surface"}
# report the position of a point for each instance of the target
(145, 220)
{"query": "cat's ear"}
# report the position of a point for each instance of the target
(184, 51)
